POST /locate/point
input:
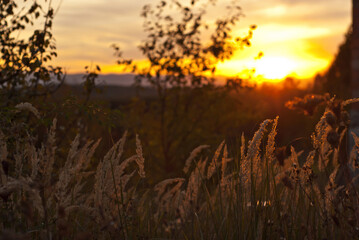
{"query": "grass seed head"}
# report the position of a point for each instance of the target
(25, 106)
(140, 160)
(192, 156)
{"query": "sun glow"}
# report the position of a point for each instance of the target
(275, 67)
(270, 68)
(288, 52)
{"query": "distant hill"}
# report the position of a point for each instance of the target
(114, 88)
(103, 79)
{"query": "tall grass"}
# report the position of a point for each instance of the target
(266, 192)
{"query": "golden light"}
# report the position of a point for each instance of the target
(289, 51)
(275, 67)
(271, 68)
(298, 39)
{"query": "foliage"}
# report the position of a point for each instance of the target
(90, 77)
(309, 104)
(27, 76)
(23, 69)
(176, 47)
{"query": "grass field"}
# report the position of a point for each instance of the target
(264, 192)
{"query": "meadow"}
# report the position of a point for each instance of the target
(263, 192)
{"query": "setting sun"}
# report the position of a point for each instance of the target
(275, 67)
(289, 51)
(270, 68)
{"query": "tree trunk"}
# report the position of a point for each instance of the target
(354, 126)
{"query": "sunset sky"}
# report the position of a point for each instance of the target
(298, 37)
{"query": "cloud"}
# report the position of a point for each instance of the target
(85, 29)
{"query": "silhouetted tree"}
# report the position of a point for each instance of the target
(336, 80)
(23, 69)
(176, 47)
(183, 49)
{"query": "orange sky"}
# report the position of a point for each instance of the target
(298, 37)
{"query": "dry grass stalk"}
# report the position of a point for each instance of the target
(73, 149)
(253, 148)
(354, 155)
(169, 201)
(140, 160)
(120, 181)
(332, 189)
(270, 148)
(98, 186)
(310, 159)
(194, 183)
(11, 186)
(3, 157)
(319, 137)
(225, 160)
(24, 185)
(169, 195)
(73, 172)
(49, 157)
(294, 157)
(192, 156)
(34, 159)
(111, 197)
(350, 101)
(252, 156)
(18, 156)
(243, 148)
(119, 151)
(104, 171)
(214, 163)
(160, 187)
(356, 139)
(25, 106)
(120, 169)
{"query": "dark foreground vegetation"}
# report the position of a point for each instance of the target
(183, 157)
(264, 191)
